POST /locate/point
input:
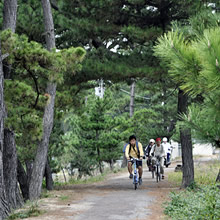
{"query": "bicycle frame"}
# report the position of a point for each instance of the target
(156, 170)
(135, 175)
(158, 176)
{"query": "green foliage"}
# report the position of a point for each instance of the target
(193, 63)
(30, 211)
(202, 203)
(204, 120)
(87, 140)
(205, 174)
(25, 94)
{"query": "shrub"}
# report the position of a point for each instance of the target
(197, 203)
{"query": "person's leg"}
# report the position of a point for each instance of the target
(130, 169)
(153, 161)
(168, 158)
(161, 166)
(140, 171)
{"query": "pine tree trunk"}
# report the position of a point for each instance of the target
(48, 175)
(132, 99)
(10, 14)
(29, 167)
(41, 157)
(218, 177)
(10, 169)
(124, 162)
(23, 181)
(4, 207)
(111, 164)
(9, 22)
(186, 144)
(100, 162)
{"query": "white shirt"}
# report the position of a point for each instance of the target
(167, 147)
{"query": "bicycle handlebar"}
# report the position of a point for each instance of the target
(132, 159)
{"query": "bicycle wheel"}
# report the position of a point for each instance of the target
(135, 186)
(157, 174)
(152, 173)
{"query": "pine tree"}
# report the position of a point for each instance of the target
(193, 65)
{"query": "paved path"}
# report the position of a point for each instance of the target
(112, 199)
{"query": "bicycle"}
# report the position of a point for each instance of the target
(156, 170)
(158, 175)
(135, 175)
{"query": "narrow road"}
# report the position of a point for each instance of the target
(112, 199)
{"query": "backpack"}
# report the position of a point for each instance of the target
(130, 148)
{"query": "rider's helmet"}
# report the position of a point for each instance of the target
(158, 139)
(164, 139)
(152, 141)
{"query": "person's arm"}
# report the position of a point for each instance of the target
(152, 150)
(127, 152)
(141, 149)
(163, 152)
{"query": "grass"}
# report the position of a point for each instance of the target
(30, 210)
(45, 194)
(63, 198)
(204, 173)
(199, 201)
(89, 180)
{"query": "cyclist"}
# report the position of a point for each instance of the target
(158, 151)
(167, 149)
(134, 151)
(147, 152)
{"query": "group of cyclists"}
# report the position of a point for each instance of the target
(155, 149)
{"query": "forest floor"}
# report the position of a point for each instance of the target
(112, 199)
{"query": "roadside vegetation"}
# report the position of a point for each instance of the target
(199, 201)
(31, 209)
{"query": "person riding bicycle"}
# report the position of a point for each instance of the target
(167, 149)
(147, 152)
(158, 151)
(134, 151)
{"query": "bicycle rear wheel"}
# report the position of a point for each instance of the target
(152, 173)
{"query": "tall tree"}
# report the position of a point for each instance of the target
(186, 142)
(4, 206)
(9, 22)
(10, 14)
(42, 150)
(182, 54)
(9, 153)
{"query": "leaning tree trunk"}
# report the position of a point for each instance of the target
(10, 170)
(41, 157)
(186, 144)
(48, 175)
(4, 207)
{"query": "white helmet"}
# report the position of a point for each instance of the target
(152, 141)
(165, 139)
